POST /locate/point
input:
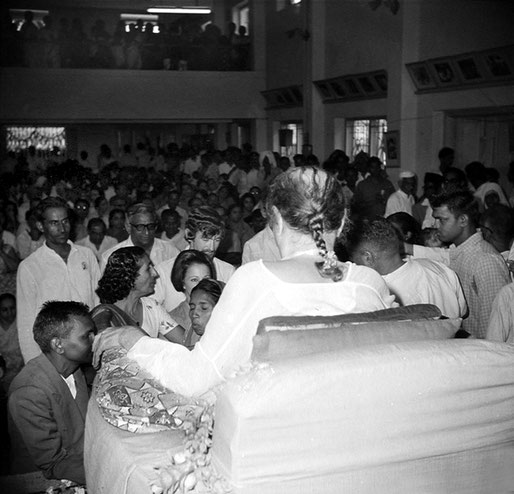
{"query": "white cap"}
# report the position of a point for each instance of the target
(407, 174)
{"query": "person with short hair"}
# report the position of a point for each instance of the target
(497, 227)
(58, 270)
(376, 244)
(9, 344)
(96, 238)
(117, 222)
(372, 192)
(190, 267)
(143, 223)
(480, 268)
(454, 180)
(204, 232)
(171, 229)
(29, 238)
(48, 398)
(446, 158)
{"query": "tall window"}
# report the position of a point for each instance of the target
(366, 135)
(43, 138)
(291, 138)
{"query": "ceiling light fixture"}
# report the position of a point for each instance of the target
(179, 10)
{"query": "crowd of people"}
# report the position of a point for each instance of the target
(177, 255)
(137, 45)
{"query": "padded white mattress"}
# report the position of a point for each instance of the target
(424, 417)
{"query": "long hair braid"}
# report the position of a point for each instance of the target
(327, 268)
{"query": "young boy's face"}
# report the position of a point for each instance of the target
(78, 344)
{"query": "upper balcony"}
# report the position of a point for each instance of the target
(107, 95)
(85, 64)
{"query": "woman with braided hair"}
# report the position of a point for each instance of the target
(307, 213)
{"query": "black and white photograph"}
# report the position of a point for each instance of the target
(256, 247)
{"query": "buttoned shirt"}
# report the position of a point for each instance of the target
(501, 322)
(44, 276)
(161, 251)
(482, 273)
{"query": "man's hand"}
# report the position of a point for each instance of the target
(124, 336)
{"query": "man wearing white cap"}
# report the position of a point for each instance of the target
(402, 200)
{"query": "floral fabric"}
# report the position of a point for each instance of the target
(131, 400)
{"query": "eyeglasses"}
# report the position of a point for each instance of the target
(151, 227)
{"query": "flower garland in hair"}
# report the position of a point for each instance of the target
(329, 268)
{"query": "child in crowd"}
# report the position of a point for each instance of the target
(204, 297)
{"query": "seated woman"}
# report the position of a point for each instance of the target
(204, 297)
(189, 268)
(128, 279)
(306, 212)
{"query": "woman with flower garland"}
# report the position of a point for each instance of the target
(307, 213)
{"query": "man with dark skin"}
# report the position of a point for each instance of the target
(371, 194)
(48, 398)
(58, 270)
(480, 268)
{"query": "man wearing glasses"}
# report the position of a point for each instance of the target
(58, 270)
(143, 224)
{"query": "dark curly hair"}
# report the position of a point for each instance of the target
(312, 202)
(120, 274)
(185, 259)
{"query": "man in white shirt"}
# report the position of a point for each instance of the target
(96, 239)
(375, 244)
(261, 246)
(170, 221)
(58, 270)
(204, 231)
(142, 224)
(173, 204)
(29, 238)
(403, 199)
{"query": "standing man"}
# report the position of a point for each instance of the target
(143, 223)
(204, 231)
(371, 194)
(402, 200)
(58, 270)
(96, 239)
(480, 268)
